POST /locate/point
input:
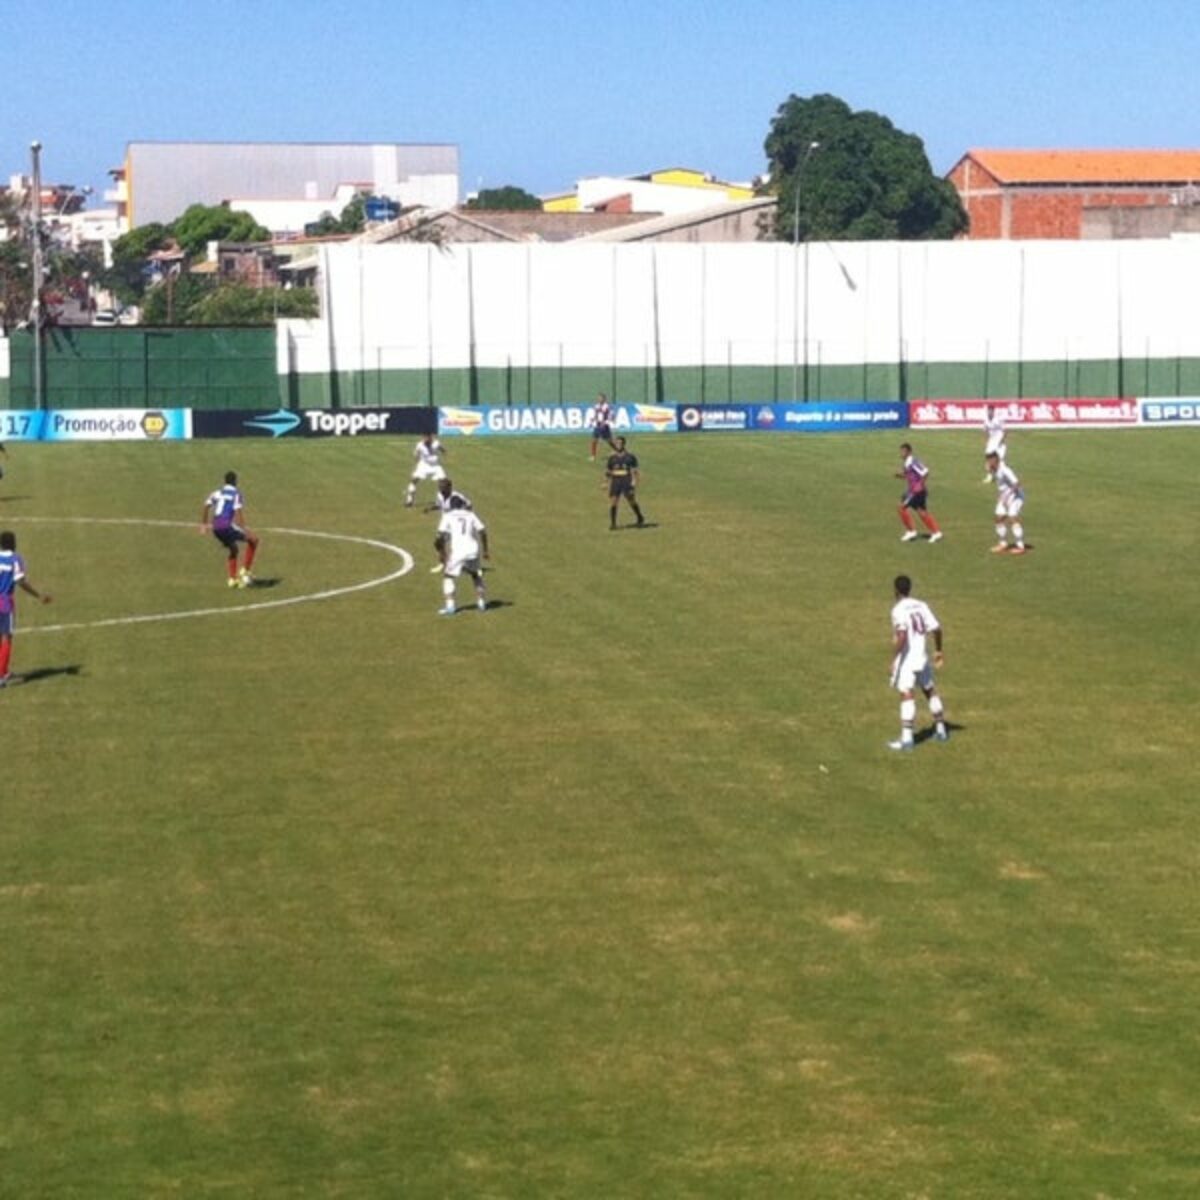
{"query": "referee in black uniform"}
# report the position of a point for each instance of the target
(621, 472)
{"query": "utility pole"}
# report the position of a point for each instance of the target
(812, 146)
(35, 308)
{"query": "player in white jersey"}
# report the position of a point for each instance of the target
(427, 464)
(441, 504)
(461, 542)
(1010, 499)
(913, 624)
(445, 494)
(993, 426)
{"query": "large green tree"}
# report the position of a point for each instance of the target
(504, 198)
(842, 175)
(201, 223)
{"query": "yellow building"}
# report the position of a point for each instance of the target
(669, 191)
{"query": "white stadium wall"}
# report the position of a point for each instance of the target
(687, 323)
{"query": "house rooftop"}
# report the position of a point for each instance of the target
(1089, 166)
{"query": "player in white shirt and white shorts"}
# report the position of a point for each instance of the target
(1010, 499)
(461, 543)
(427, 459)
(913, 623)
(993, 425)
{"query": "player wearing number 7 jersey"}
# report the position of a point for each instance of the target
(913, 624)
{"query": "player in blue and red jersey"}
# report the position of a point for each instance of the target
(602, 418)
(225, 511)
(916, 495)
(12, 576)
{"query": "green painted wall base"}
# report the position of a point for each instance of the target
(748, 384)
(235, 368)
(146, 368)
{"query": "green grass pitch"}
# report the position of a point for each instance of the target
(614, 890)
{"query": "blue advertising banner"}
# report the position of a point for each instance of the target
(1183, 410)
(22, 425)
(96, 425)
(838, 416)
(530, 419)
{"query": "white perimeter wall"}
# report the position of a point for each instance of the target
(415, 306)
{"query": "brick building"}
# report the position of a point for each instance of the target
(1043, 193)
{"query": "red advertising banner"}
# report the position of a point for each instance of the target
(1093, 412)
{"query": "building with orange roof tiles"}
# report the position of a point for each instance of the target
(1049, 193)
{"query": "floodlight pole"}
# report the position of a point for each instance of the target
(812, 146)
(35, 307)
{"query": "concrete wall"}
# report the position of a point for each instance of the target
(511, 324)
(516, 324)
(1159, 222)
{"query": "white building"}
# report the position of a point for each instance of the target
(159, 180)
(292, 215)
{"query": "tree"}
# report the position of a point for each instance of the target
(865, 181)
(354, 215)
(16, 284)
(201, 224)
(504, 198)
(171, 301)
(126, 278)
(352, 219)
(193, 300)
(237, 304)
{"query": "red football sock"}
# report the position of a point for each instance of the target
(250, 549)
(930, 523)
(905, 517)
(5, 654)
(232, 565)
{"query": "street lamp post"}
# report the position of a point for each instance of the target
(35, 308)
(812, 146)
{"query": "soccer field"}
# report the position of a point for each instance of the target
(614, 890)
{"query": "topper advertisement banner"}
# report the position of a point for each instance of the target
(96, 425)
(1088, 413)
(313, 422)
(841, 416)
(539, 419)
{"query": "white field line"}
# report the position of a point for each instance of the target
(406, 565)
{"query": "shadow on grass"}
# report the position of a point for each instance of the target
(926, 735)
(270, 582)
(40, 673)
(10, 499)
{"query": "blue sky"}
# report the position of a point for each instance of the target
(539, 94)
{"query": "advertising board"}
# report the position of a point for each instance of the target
(541, 419)
(313, 422)
(96, 425)
(839, 416)
(1183, 410)
(1088, 413)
